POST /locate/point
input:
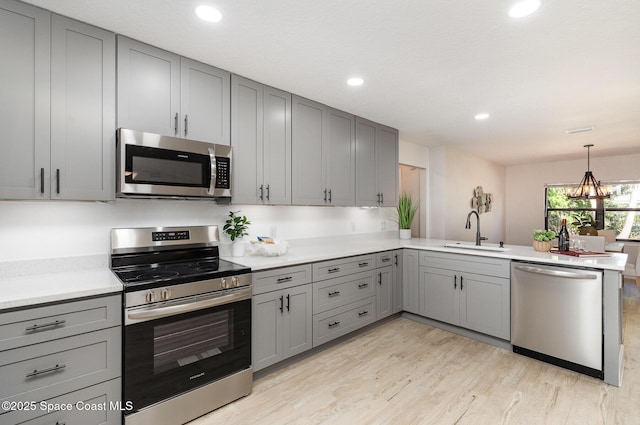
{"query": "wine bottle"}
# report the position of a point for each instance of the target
(563, 237)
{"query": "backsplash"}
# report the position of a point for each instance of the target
(34, 229)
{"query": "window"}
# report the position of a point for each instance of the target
(621, 212)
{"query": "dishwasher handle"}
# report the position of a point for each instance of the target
(556, 273)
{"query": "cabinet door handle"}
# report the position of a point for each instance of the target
(378, 197)
(262, 192)
(334, 270)
(461, 284)
(45, 325)
(58, 181)
(333, 325)
(455, 282)
(281, 303)
(382, 198)
(364, 264)
(268, 190)
(37, 372)
(333, 294)
(329, 195)
(284, 279)
(325, 195)
(363, 285)
(288, 302)
(42, 180)
(363, 313)
(175, 124)
(186, 124)
(396, 263)
(380, 278)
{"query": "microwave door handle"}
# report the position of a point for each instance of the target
(214, 172)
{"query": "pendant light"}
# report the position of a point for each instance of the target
(589, 187)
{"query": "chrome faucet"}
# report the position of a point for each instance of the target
(468, 226)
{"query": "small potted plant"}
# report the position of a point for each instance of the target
(236, 227)
(542, 240)
(406, 210)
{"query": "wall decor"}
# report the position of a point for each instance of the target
(481, 201)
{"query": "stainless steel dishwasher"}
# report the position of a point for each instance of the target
(556, 315)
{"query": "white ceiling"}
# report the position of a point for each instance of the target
(429, 65)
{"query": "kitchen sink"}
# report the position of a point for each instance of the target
(464, 245)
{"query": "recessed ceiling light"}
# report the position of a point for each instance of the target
(208, 13)
(579, 130)
(482, 116)
(524, 8)
(355, 81)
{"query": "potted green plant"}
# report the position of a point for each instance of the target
(542, 240)
(406, 210)
(236, 227)
(585, 223)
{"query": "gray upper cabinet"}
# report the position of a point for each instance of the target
(161, 92)
(376, 164)
(323, 155)
(57, 108)
(261, 141)
(25, 100)
(83, 117)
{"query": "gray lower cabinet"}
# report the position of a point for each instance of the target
(69, 352)
(281, 321)
(261, 142)
(467, 291)
(164, 93)
(57, 108)
(344, 296)
(411, 281)
(323, 154)
(376, 164)
(389, 288)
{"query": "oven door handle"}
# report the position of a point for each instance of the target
(144, 314)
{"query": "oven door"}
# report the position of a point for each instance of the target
(170, 355)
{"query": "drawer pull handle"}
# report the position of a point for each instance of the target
(333, 294)
(37, 372)
(284, 279)
(365, 264)
(61, 423)
(363, 313)
(333, 270)
(45, 325)
(386, 259)
(363, 285)
(333, 325)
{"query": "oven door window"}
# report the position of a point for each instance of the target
(168, 356)
(145, 165)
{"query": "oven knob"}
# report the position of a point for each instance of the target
(151, 297)
(165, 294)
(223, 283)
(235, 282)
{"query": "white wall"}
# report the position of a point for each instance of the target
(453, 175)
(32, 230)
(525, 188)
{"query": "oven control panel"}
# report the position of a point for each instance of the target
(170, 236)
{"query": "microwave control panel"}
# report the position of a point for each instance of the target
(223, 167)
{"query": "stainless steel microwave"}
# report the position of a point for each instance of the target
(155, 166)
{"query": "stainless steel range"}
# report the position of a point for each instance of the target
(187, 316)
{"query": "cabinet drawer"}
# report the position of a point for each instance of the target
(94, 405)
(342, 320)
(467, 263)
(343, 266)
(35, 325)
(385, 259)
(332, 293)
(273, 280)
(45, 370)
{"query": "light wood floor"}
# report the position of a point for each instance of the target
(404, 372)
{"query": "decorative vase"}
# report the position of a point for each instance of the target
(405, 233)
(541, 246)
(237, 248)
